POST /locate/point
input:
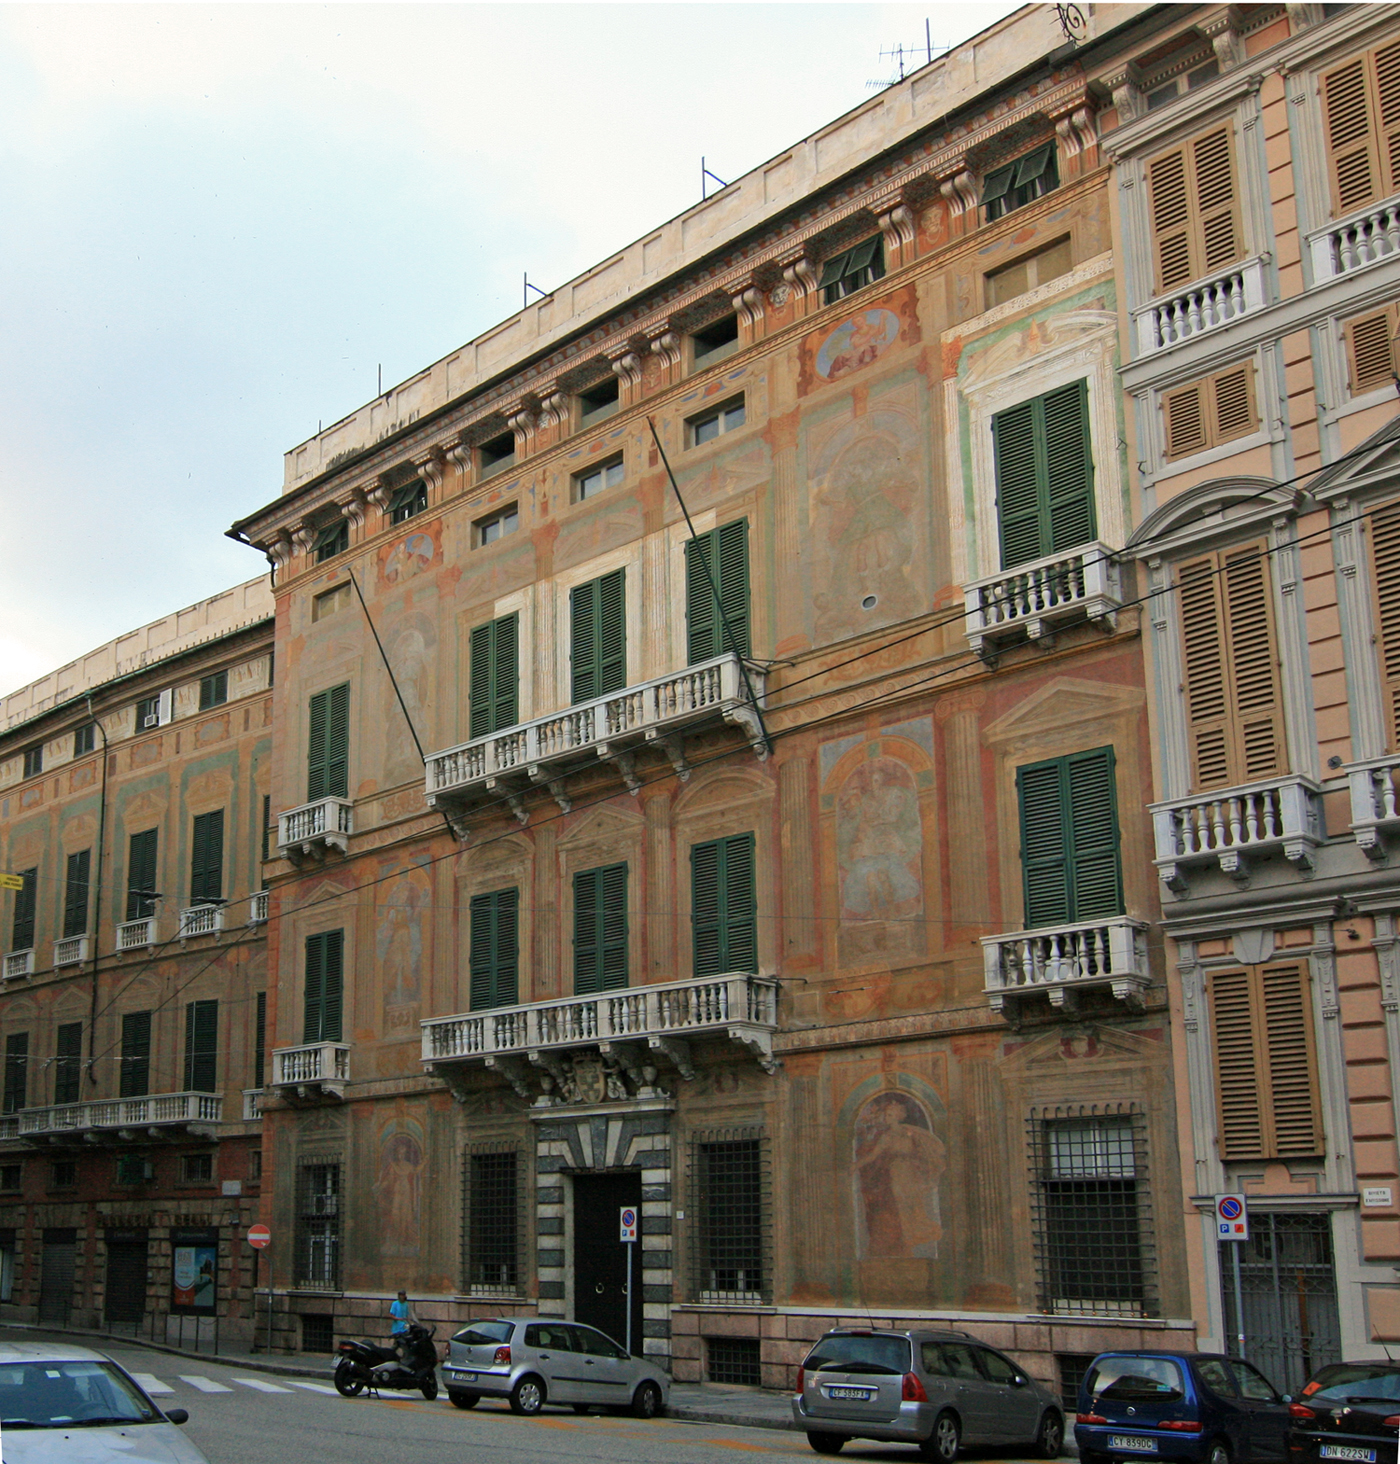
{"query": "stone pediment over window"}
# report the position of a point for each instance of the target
(1372, 466)
(1222, 507)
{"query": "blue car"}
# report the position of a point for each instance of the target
(1197, 1407)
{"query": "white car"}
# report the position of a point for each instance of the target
(68, 1405)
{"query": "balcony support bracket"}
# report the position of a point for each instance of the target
(677, 1051)
(549, 1062)
(676, 753)
(517, 807)
(625, 763)
(1172, 876)
(514, 1072)
(630, 1057)
(451, 1076)
(747, 719)
(1063, 998)
(1234, 863)
(1299, 854)
(759, 1043)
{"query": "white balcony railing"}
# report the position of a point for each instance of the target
(1233, 825)
(201, 920)
(9, 1130)
(156, 1110)
(1033, 598)
(252, 1104)
(600, 728)
(1354, 242)
(1065, 959)
(257, 908)
(316, 1065)
(19, 963)
(1202, 306)
(327, 823)
(71, 951)
(135, 934)
(739, 1005)
(1375, 802)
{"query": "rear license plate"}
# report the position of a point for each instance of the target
(469, 1377)
(1346, 1451)
(1132, 1443)
(860, 1394)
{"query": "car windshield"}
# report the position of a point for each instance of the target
(860, 1353)
(69, 1395)
(484, 1334)
(1356, 1380)
(1153, 1379)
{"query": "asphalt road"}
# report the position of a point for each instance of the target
(238, 1416)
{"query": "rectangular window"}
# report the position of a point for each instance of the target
(132, 1169)
(1234, 710)
(724, 911)
(1370, 343)
(1361, 118)
(714, 422)
(493, 1221)
(141, 891)
(16, 1095)
(77, 879)
(63, 1174)
(497, 454)
(68, 1063)
(255, 1163)
(33, 761)
(331, 602)
(11, 1178)
(717, 592)
(332, 540)
(598, 636)
(1045, 475)
(1069, 839)
(594, 480)
(325, 982)
(268, 827)
(25, 907)
(859, 266)
(136, 1055)
(714, 342)
(1265, 1067)
(729, 1209)
(207, 858)
(328, 745)
(85, 739)
(213, 691)
(1020, 182)
(1195, 209)
(600, 929)
(260, 1040)
(201, 1047)
(495, 675)
(1030, 271)
(408, 502)
(597, 403)
(495, 949)
(197, 1169)
(1209, 412)
(318, 1226)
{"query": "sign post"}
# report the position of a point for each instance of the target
(628, 1236)
(260, 1237)
(1232, 1224)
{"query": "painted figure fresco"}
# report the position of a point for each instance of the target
(399, 946)
(399, 1191)
(857, 342)
(879, 850)
(899, 1163)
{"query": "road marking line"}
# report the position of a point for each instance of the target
(205, 1385)
(261, 1386)
(315, 1387)
(152, 1384)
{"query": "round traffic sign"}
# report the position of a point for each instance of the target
(629, 1218)
(1230, 1208)
(259, 1237)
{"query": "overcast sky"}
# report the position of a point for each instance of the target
(219, 221)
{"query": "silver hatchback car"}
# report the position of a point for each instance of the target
(937, 1390)
(532, 1361)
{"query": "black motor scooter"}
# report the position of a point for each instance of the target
(409, 1365)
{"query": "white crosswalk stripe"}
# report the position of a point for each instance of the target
(205, 1385)
(261, 1386)
(152, 1384)
(315, 1387)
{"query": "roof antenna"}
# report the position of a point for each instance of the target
(705, 176)
(543, 294)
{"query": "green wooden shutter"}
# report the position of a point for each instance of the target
(26, 902)
(201, 1046)
(141, 875)
(1069, 468)
(724, 912)
(725, 551)
(495, 955)
(1045, 475)
(1093, 808)
(495, 675)
(207, 858)
(260, 1040)
(325, 980)
(16, 1072)
(598, 636)
(600, 929)
(1045, 850)
(68, 1053)
(136, 1055)
(328, 745)
(1069, 839)
(1018, 484)
(75, 893)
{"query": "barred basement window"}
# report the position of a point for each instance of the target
(317, 1332)
(733, 1360)
(491, 1210)
(1071, 1367)
(318, 1226)
(1091, 1213)
(731, 1185)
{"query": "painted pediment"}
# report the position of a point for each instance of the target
(1065, 702)
(1083, 1042)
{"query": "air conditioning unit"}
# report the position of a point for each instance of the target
(152, 719)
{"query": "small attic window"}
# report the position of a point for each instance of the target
(598, 402)
(1019, 183)
(716, 341)
(497, 454)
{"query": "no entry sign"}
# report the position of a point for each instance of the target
(259, 1237)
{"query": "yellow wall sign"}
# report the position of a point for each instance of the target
(11, 881)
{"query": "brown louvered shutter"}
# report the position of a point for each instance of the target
(1370, 359)
(1361, 116)
(1235, 415)
(1210, 412)
(1195, 205)
(1253, 657)
(1294, 1111)
(1385, 558)
(1217, 200)
(1171, 219)
(1203, 643)
(1241, 1118)
(1186, 424)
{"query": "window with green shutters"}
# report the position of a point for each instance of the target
(16, 1095)
(725, 552)
(260, 1040)
(141, 888)
(26, 902)
(495, 949)
(136, 1055)
(600, 929)
(1045, 475)
(598, 638)
(68, 1063)
(207, 858)
(724, 911)
(325, 986)
(75, 893)
(495, 671)
(201, 1046)
(1069, 839)
(328, 747)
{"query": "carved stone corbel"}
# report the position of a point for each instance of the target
(354, 506)
(666, 343)
(517, 807)
(630, 1056)
(304, 536)
(747, 718)
(279, 550)
(897, 230)
(513, 1071)
(677, 1052)
(554, 409)
(748, 306)
(1223, 32)
(1125, 86)
(430, 466)
(1304, 15)
(380, 494)
(627, 367)
(1078, 136)
(522, 419)
(550, 1063)
(675, 750)
(460, 452)
(625, 763)
(451, 1078)
(959, 190)
(800, 275)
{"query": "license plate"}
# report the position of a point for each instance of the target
(860, 1394)
(1132, 1443)
(469, 1377)
(1345, 1451)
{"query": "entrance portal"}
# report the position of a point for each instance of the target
(127, 1260)
(58, 1263)
(600, 1258)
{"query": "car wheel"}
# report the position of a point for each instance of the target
(826, 1443)
(346, 1383)
(943, 1443)
(527, 1396)
(646, 1401)
(429, 1386)
(463, 1400)
(1219, 1454)
(1050, 1436)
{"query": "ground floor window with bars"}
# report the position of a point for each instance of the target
(318, 1225)
(730, 1184)
(1091, 1212)
(492, 1215)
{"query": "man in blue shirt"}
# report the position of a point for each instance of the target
(402, 1313)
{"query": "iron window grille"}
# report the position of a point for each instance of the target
(731, 1201)
(318, 1332)
(733, 1360)
(318, 1225)
(197, 1169)
(1091, 1211)
(1071, 1367)
(861, 265)
(491, 1215)
(1021, 182)
(408, 502)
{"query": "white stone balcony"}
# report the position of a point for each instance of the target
(201, 920)
(610, 727)
(1034, 599)
(628, 1024)
(307, 832)
(1233, 826)
(9, 1130)
(316, 1070)
(125, 1119)
(1352, 243)
(1375, 802)
(1202, 306)
(136, 934)
(252, 1104)
(257, 908)
(1062, 960)
(71, 951)
(19, 963)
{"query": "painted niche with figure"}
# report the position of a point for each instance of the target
(899, 1163)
